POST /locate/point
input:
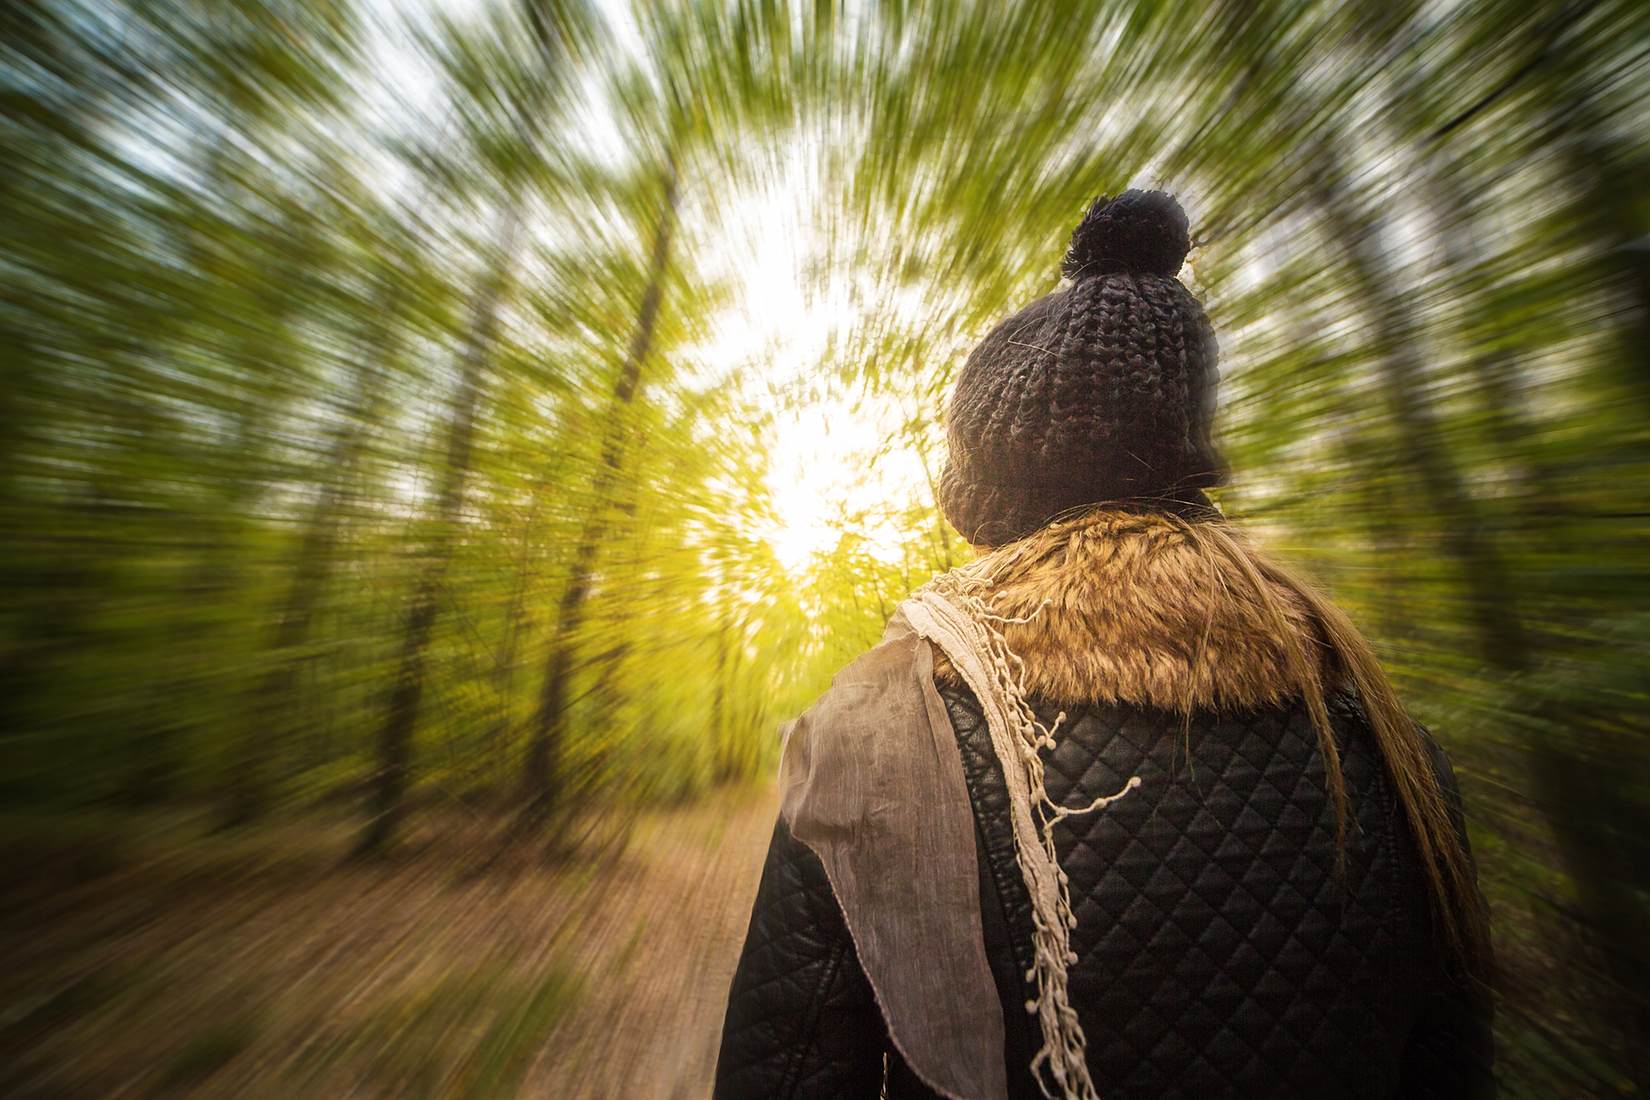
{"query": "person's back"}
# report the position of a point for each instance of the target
(1208, 854)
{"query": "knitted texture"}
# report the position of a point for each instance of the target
(1102, 391)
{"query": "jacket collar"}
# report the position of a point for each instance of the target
(1124, 607)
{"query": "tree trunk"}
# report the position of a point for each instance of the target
(541, 780)
(516, 624)
(1607, 171)
(385, 803)
(1497, 625)
(269, 727)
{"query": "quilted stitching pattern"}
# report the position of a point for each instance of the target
(1211, 926)
(1218, 955)
(801, 1020)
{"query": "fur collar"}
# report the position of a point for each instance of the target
(1117, 606)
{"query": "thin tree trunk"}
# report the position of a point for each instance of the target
(1498, 628)
(269, 726)
(1494, 372)
(515, 625)
(1605, 168)
(540, 776)
(386, 801)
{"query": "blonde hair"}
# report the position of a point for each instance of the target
(1458, 911)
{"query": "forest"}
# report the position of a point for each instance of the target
(441, 440)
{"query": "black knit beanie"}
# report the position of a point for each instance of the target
(1102, 391)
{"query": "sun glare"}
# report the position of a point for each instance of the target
(825, 474)
(828, 479)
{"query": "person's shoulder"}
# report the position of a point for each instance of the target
(874, 689)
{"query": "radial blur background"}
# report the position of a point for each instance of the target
(443, 438)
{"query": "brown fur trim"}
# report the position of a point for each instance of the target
(1129, 608)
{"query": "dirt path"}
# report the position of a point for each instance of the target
(666, 936)
(268, 968)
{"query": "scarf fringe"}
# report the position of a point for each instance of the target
(953, 611)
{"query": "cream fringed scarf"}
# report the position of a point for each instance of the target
(952, 613)
(872, 781)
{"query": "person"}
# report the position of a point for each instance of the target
(1121, 807)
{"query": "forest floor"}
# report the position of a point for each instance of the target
(268, 966)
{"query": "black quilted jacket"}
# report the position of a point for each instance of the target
(1218, 955)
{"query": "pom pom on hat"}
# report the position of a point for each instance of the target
(1144, 232)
